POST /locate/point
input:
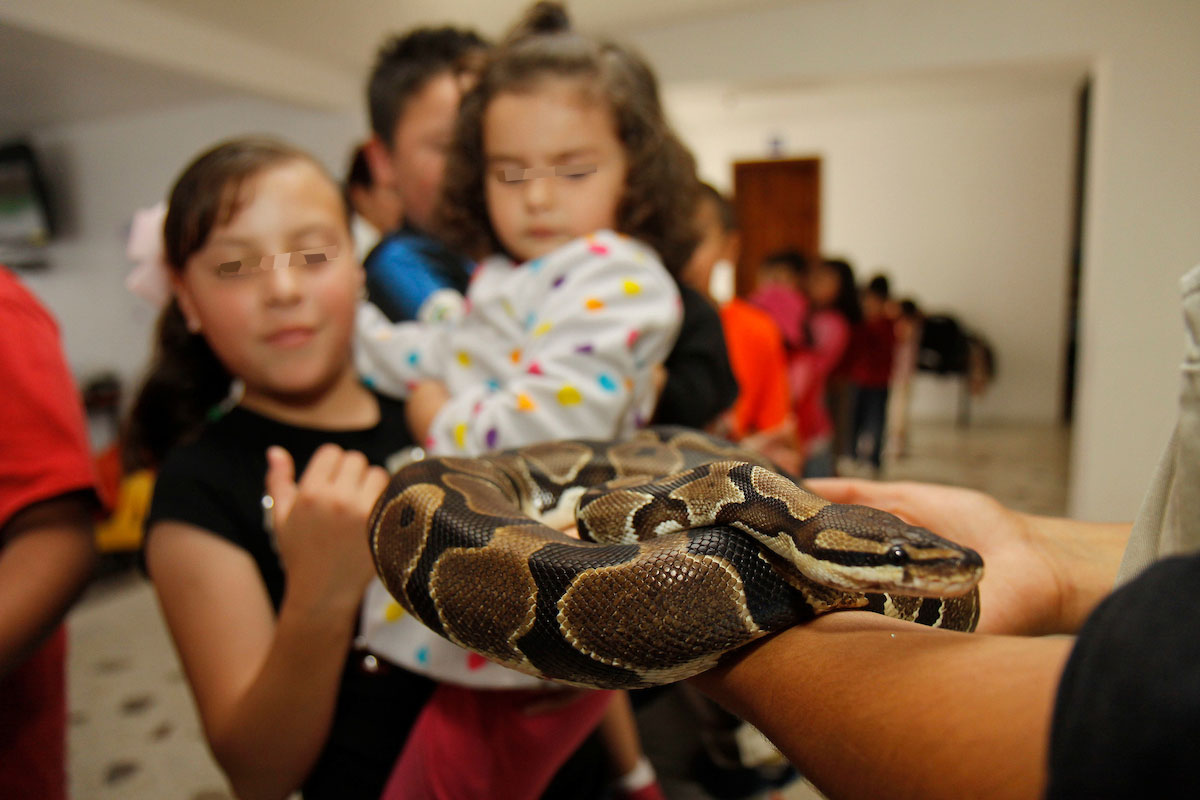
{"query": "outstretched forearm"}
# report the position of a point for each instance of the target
(870, 707)
(295, 691)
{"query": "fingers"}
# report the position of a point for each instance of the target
(846, 490)
(344, 476)
(280, 483)
(916, 503)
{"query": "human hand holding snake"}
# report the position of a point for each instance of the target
(694, 550)
(1045, 574)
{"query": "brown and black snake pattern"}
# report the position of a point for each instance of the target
(697, 549)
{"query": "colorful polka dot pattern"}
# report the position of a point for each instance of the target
(568, 395)
(570, 333)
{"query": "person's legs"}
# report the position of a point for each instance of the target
(471, 743)
(859, 411)
(818, 459)
(33, 725)
(875, 421)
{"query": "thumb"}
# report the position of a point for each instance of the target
(280, 483)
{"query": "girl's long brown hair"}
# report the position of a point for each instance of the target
(185, 379)
(661, 186)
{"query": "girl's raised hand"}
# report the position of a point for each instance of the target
(321, 522)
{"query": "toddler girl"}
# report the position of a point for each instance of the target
(571, 184)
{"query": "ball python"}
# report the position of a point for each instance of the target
(690, 548)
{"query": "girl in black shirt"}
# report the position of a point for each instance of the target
(259, 575)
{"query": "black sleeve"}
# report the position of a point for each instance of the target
(1127, 717)
(700, 383)
(222, 496)
(189, 488)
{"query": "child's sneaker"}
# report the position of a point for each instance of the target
(651, 791)
(640, 783)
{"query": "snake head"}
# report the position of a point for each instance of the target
(861, 549)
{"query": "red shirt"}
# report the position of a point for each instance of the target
(872, 350)
(43, 454)
(43, 437)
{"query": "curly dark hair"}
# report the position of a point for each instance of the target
(661, 188)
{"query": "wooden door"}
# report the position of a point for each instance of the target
(778, 206)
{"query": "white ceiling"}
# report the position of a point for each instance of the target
(62, 61)
(346, 33)
(44, 81)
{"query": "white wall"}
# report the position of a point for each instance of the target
(100, 172)
(962, 197)
(1143, 199)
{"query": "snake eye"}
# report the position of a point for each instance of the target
(897, 556)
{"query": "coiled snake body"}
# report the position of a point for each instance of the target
(698, 548)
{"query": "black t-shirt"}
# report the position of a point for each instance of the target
(217, 483)
(700, 382)
(1127, 718)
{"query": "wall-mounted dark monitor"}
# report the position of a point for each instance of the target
(26, 223)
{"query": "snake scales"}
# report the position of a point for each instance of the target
(700, 548)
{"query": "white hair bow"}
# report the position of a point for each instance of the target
(149, 278)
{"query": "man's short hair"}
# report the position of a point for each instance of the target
(405, 65)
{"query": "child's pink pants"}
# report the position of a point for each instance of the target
(469, 744)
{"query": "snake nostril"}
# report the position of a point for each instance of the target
(897, 556)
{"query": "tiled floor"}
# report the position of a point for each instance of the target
(134, 734)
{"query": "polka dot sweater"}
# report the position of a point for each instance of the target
(559, 347)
